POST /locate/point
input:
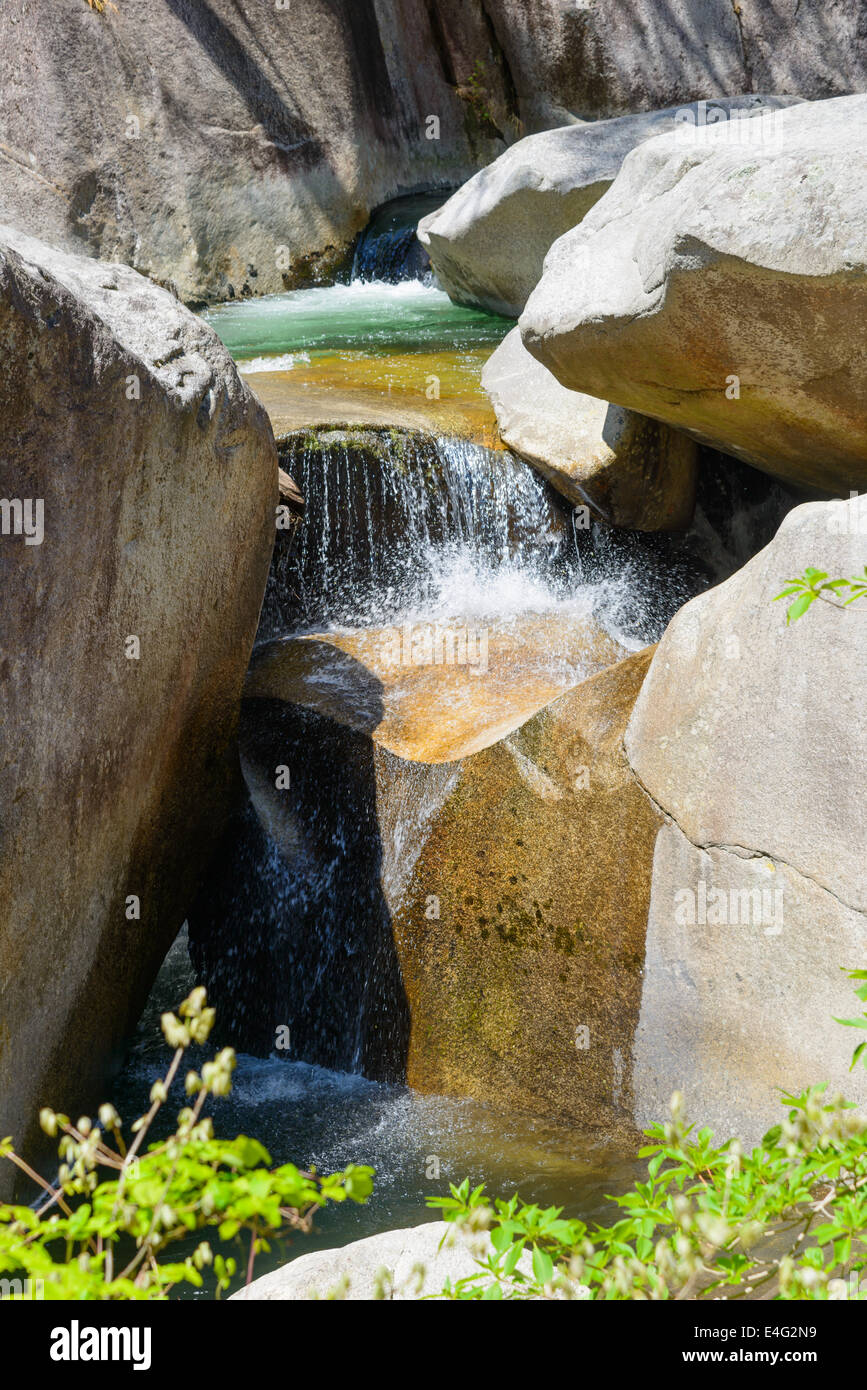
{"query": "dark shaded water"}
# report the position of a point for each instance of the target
(388, 249)
(417, 1144)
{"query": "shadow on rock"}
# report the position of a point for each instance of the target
(292, 930)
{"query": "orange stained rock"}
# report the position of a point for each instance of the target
(435, 692)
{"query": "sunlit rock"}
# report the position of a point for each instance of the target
(751, 736)
(488, 243)
(407, 1264)
(434, 692)
(633, 471)
(126, 633)
(721, 286)
(474, 926)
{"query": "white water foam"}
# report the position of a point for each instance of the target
(284, 362)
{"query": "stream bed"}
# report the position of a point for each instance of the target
(416, 522)
(369, 352)
(417, 1144)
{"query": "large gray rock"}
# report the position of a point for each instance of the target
(721, 285)
(633, 471)
(751, 736)
(738, 1011)
(397, 1265)
(154, 472)
(488, 243)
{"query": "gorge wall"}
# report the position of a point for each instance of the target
(231, 153)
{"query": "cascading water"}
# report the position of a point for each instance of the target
(405, 526)
(293, 929)
(295, 923)
(399, 528)
(399, 523)
(388, 250)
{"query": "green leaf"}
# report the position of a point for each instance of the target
(501, 1239)
(799, 607)
(543, 1265)
(251, 1152)
(514, 1255)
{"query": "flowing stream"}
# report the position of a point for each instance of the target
(417, 1144)
(403, 526)
(365, 352)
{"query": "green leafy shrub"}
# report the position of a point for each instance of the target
(104, 1227)
(711, 1221)
(814, 584)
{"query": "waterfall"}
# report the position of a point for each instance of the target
(391, 256)
(395, 518)
(294, 925)
(388, 248)
(400, 524)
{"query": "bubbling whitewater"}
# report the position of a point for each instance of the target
(362, 318)
(401, 527)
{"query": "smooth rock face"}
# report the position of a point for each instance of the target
(228, 149)
(720, 285)
(433, 692)
(240, 151)
(749, 732)
(520, 931)
(488, 243)
(361, 1263)
(124, 417)
(496, 938)
(596, 60)
(633, 471)
(751, 736)
(738, 1011)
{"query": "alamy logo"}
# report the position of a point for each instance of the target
(737, 125)
(428, 644)
(76, 1343)
(23, 517)
(21, 1289)
(847, 517)
(756, 907)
